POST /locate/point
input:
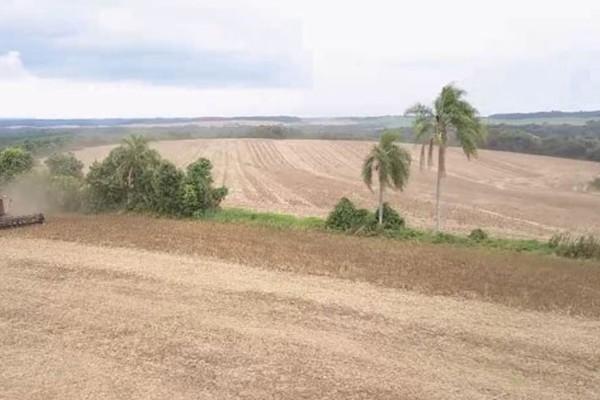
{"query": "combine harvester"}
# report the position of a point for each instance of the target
(8, 221)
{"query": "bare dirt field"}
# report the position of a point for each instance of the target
(82, 321)
(507, 193)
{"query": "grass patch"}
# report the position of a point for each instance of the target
(285, 221)
(274, 220)
(517, 245)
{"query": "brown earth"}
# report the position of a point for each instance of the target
(527, 281)
(82, 321)
(506, 193)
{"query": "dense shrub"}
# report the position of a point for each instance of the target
(167, 182)
(198, 194)
(573, 246)
(391, 219)
(478, 235)
(107, 191)
(346, 217)
(134, 177)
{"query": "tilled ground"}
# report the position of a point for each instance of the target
(81, 321)
(528, 281)
(505, 193)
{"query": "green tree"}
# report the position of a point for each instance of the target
(391, 164)
(107, 189)
(166, 187)
(64, 164)
(14, 161)
(137, 156)
(198, 192)
(452, 118)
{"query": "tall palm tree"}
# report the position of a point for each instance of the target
(424, 129)
(452, 117)
(391, 164)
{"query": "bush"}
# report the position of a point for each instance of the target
(596, 184)
(478, 235)
(346, 217)
(391, 218)
(573, 246)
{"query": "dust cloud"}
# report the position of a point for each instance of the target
(28, 195)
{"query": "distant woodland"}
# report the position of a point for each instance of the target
(578, 141)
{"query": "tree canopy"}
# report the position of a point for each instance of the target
(13, 162)
(65, 164)
(390, 163)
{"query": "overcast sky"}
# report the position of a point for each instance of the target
(146, 58)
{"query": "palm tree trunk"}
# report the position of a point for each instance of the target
(422, 158)
(430, 154)
(380, 203)
(130, 177)
(442, 160)
(440, 175)
(129, 186)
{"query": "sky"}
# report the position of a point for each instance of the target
(186, 58)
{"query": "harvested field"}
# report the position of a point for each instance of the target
(506, 193)
(82, 321)
(527, 281)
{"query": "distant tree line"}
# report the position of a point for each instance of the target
(569, 141)
(547, 115)
(578, 142)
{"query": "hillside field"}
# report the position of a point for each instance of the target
(505, 193)
(121, 306)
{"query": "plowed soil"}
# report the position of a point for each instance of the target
(505, 193)
(82, 321)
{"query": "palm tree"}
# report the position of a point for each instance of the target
(391, 164)
(424, 132)
(136, 157)
(451, 117)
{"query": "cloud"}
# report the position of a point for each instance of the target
(11, 67)
(175, 43)
(227, 57)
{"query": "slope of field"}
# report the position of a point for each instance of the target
(508, 193)
(80, 321)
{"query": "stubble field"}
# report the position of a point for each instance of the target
(506, 193)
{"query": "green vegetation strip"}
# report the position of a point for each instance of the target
(285, 221)
(273, 220)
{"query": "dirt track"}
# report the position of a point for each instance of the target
(78, 321)
(508, 193)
